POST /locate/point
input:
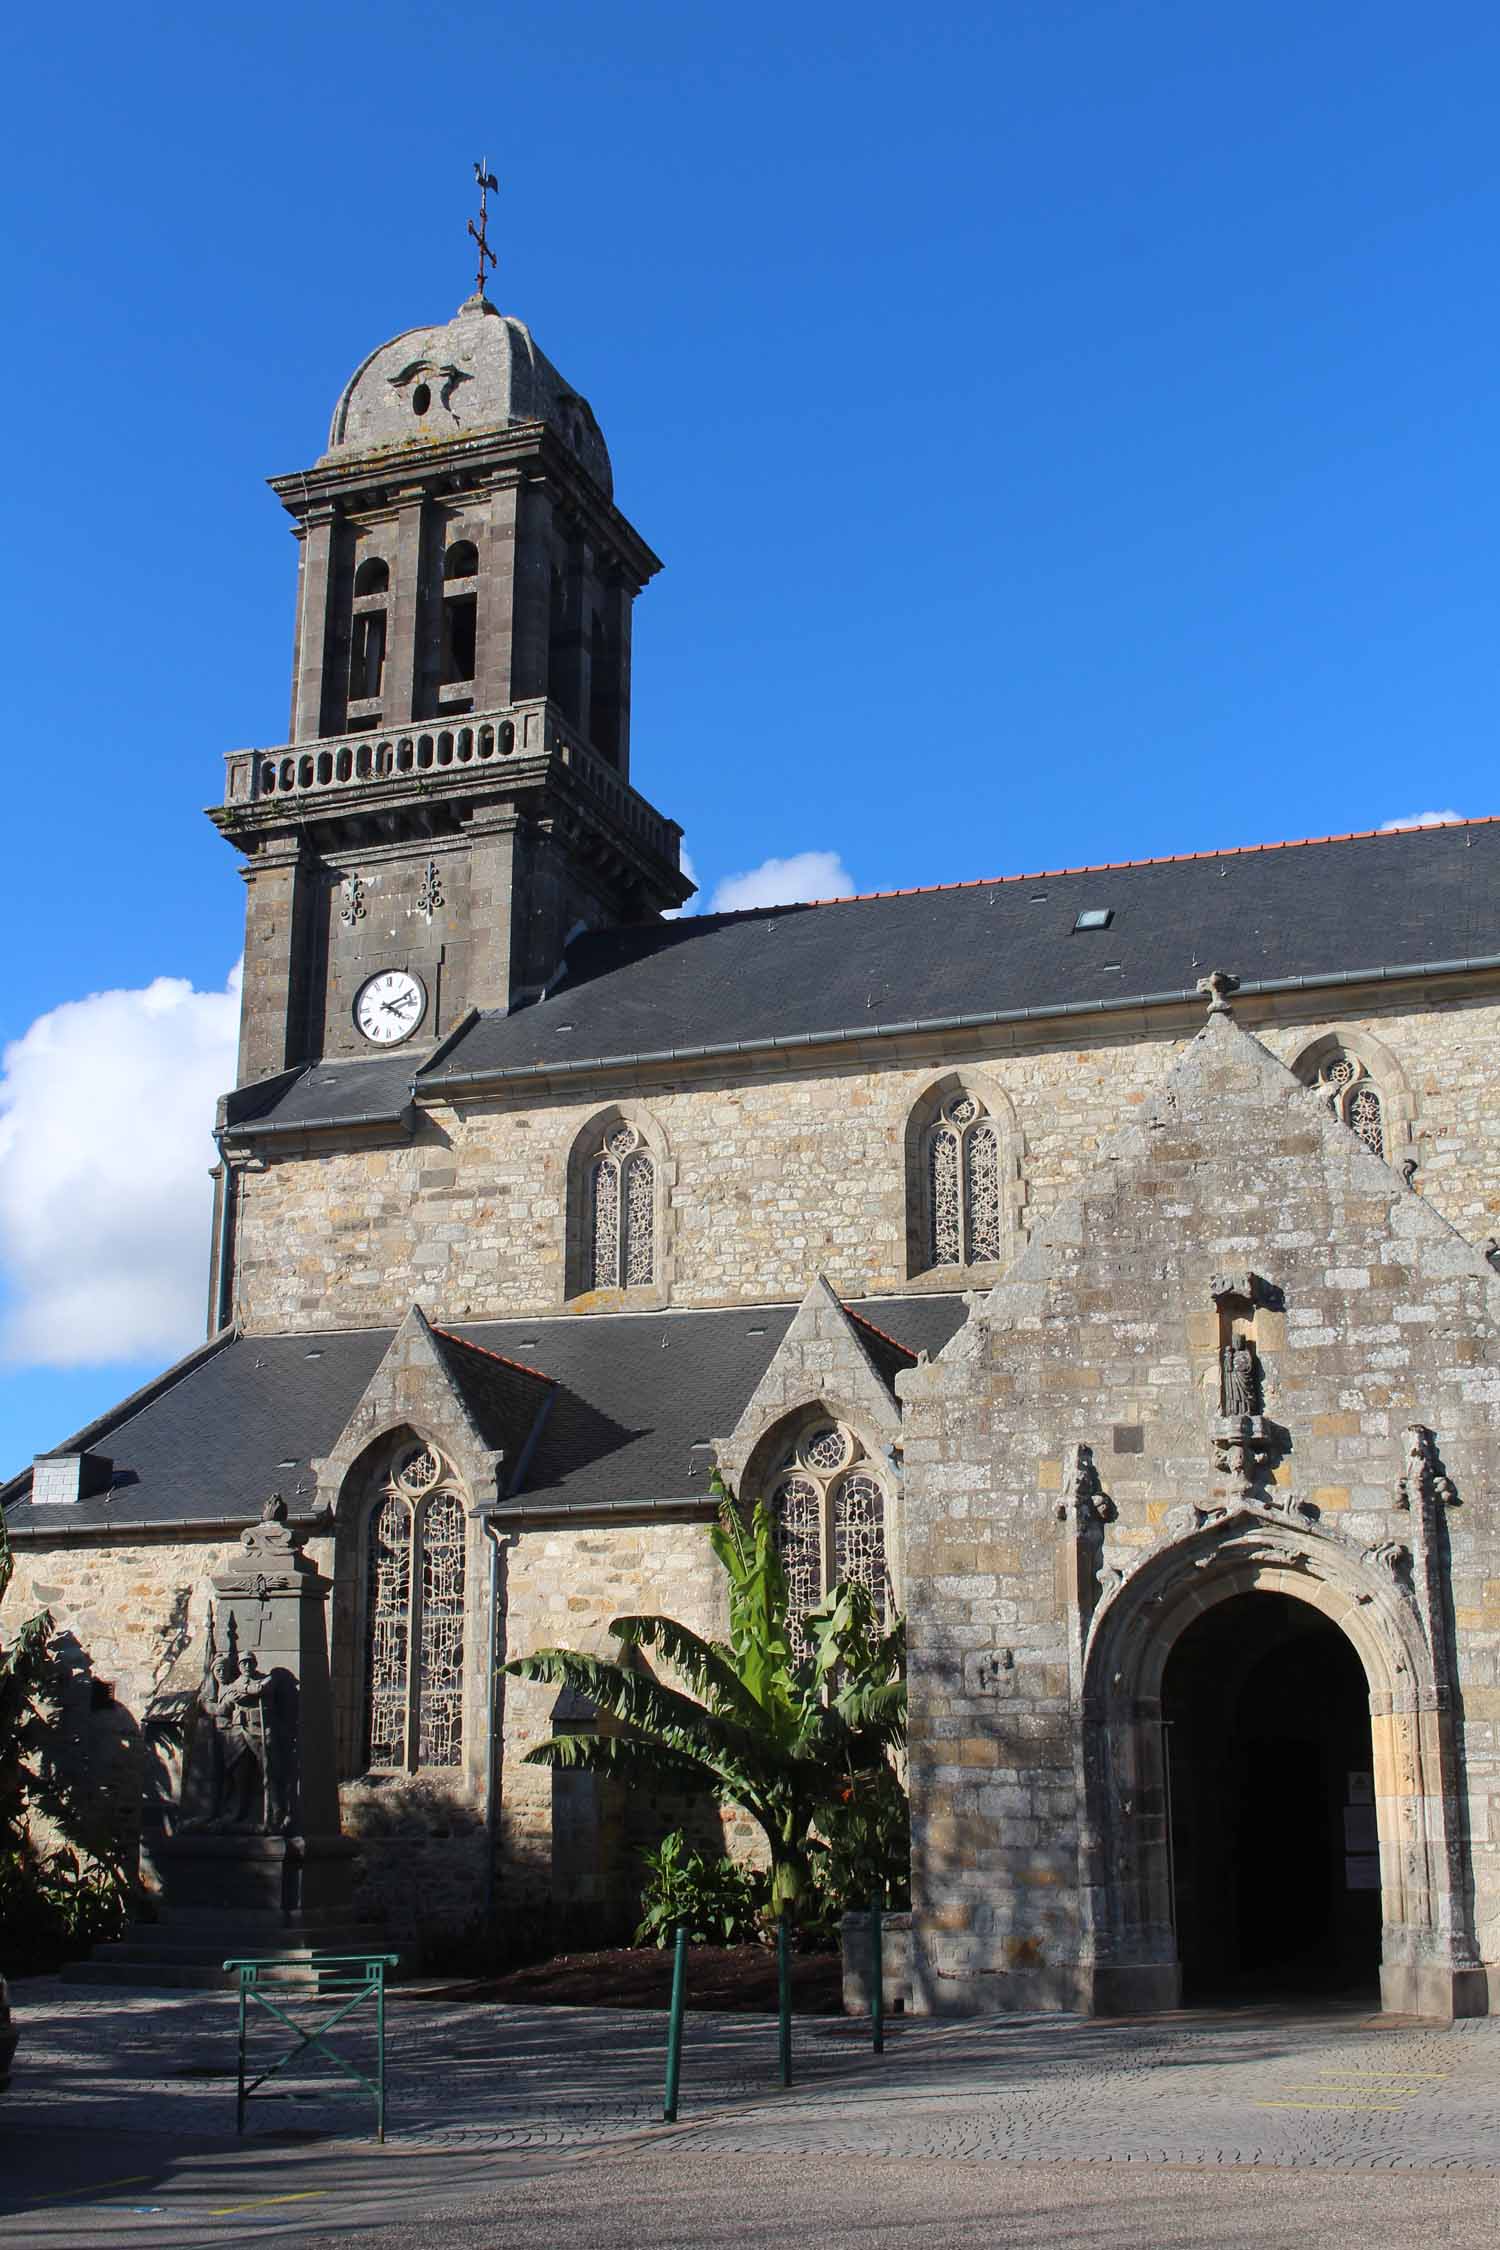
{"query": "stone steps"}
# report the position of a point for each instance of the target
(156, 1974)
(189, 1950)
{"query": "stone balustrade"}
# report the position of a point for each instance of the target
(447, 750)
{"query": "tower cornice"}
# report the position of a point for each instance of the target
(524, 451)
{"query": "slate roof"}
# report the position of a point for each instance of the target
(503, 1397)
(888, 1354)
(351, 1091)
(634, 1392)
(1274, 914)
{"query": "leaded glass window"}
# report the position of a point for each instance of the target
(414, 1625)
(440, 1695)
(799, 1542)
(622, 1212)
(829, 1508)
(389, 1630)
(1351, 1093)
(982, 1192)
(965, 1208)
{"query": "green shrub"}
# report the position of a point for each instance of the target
(57, 1906)
(775, 1720)
(863, 1849)
(716, 1900)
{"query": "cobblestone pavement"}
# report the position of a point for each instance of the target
(1249, 2087)
(476, 2093)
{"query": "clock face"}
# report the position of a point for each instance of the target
(389, 1006)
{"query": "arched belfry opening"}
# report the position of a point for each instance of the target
(1275, 1857)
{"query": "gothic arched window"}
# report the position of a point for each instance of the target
(1353, 1096)
(414, 1615)
(829, 1508)
(622, 1212)
(965, 1218)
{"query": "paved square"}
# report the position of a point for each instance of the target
(120, 2126)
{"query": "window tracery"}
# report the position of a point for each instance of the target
(622, 1212)
(1354, 1098)
(414, 1624)
(964, 1209)
(829, 1510)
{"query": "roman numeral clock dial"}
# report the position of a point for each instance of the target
(389, 1006)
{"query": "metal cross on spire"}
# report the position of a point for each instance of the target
(487, 180)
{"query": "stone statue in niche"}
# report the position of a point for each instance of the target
(1240, 1379)
(1245, 1445)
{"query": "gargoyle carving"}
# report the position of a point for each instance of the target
(1392, 1554)
(1242, 1451)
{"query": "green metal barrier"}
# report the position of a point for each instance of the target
(674, 2027)
(272, 1982)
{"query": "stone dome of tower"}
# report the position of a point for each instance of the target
(479, 371)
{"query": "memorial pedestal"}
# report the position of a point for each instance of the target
(255, 1863)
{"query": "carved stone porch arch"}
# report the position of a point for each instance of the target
(1429, 1965)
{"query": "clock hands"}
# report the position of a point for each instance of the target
(389, 1006)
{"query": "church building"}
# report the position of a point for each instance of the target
(1098, 1263)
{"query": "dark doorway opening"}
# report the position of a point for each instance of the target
(1275, 1868)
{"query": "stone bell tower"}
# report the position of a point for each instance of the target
(454, 800)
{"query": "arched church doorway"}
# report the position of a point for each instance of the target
(1271, 1805)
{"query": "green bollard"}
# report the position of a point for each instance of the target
(784, 1996)
(674, 2028)
(877, 1977)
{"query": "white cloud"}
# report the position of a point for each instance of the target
(106, 1115)
(784, 882)
(1423, 820)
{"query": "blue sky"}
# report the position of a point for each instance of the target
(1069, 430)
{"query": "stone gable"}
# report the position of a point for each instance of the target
(1372, 1314)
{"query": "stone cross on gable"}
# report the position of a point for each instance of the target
(1218, 985)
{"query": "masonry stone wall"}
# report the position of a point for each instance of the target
(570, 1843)
(129, 1621)
(133, 1614)
(1037, 1821)
(774, 1177)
